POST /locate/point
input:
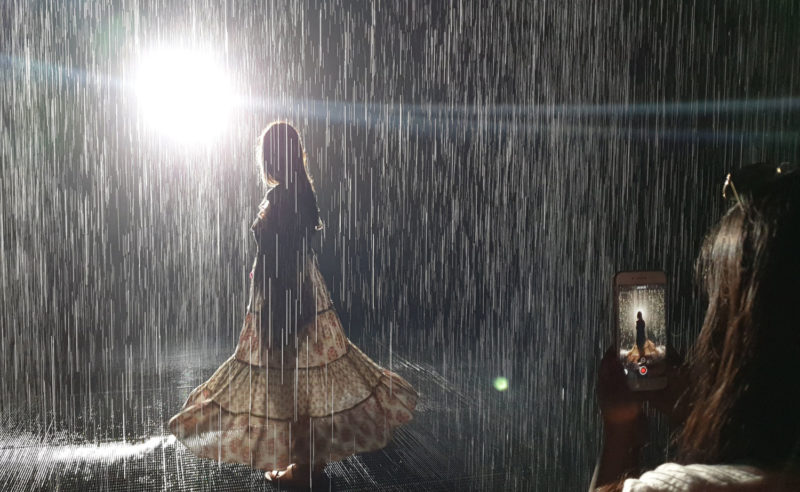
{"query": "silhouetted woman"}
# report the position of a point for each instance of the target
(739, 420)
(297, 393)
(641, 335)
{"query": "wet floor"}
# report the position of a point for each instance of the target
(123, 443)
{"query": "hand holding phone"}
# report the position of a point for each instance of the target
(641, 329)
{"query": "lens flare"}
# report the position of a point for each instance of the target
(500, 383)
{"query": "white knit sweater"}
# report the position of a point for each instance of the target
(671, 477)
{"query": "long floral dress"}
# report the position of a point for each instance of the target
(296, 390)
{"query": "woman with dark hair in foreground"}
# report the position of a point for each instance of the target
(737, 404)
(296, 393)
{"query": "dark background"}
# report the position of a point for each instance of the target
(482, 170)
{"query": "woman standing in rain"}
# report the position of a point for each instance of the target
(641, 337)
(297, 393)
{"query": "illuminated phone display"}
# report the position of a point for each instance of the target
(642, 334)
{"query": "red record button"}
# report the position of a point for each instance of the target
(643, 370)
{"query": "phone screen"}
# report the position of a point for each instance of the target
(642, 335)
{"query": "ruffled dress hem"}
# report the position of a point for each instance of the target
(269, 418)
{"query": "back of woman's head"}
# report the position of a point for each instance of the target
(745, 402)
(282, 163)
(281, 155)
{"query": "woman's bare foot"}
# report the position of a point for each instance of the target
(295, 475)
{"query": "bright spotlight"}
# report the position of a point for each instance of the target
(184, 94)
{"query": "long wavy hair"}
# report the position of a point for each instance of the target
(282, 165)
(745, 396)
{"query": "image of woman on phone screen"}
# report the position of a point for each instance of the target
(296, 393)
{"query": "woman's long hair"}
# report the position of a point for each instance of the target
(745, 396)
(282, 163)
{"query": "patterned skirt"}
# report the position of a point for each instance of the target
(325, 401)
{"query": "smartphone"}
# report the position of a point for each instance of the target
(641, 328)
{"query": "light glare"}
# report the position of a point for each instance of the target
(501, 384)
(184, 94)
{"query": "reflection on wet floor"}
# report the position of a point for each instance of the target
(123, 444)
